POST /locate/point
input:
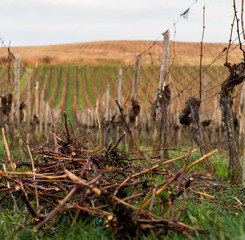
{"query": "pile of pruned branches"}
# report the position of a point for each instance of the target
(120, 188)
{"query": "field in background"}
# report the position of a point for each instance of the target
(88, 83)
(121, 52)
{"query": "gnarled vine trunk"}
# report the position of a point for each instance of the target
(236, 77)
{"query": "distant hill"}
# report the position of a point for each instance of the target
(121, 52)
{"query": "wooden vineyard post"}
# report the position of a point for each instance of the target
(202, 115)
(214, 121)
(190, 115)
(159, 107)
(172, 119)
(16, 109)
(98, 120)
(242, 119)
(46, 119)
(179, 140)
(106, 125)
(236, 77)
(135, 107)
(119, 96)
(41, 113)
(136, 78)
(87, 118)
(119, 99)
(36, 100)
(28, 101)
(36, 111)
(107, 102)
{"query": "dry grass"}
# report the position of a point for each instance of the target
(118, 52)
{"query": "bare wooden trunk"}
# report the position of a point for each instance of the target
(235, 170)
(236, 77)
(106, 122)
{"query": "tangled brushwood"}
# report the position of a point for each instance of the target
(133, 196)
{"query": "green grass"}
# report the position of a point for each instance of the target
(98, 80)
(36, 77)
(52, 83)
(44, 77)
(80, 97)
(2, 69)
(106, 79)
(69, 97)
(90, 86)
(60, 87)
(124, 79)
(22, 82)
(114, 76)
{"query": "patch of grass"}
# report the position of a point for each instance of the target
(106, 78)
(80, 97)
(44, 77)
(36, 76)
(69, 97)
(52, 83)
(98, 80)
(90, 86)
(60, 87)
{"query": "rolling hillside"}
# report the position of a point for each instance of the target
(120, 52)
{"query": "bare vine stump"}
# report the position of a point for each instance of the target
(236, 77)
(190, 116)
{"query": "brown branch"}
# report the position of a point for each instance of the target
(242, 11)
(238, 33)
(229, 44)
(201, 55)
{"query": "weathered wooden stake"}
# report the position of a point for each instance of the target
(135, 107)
(136, 78)
(119, 99)
(202, 114)
(16, 110)
(241, 113)
(107, 102)
(159, 107)
(46, 118)
(172, 119)
(41, 113)
(36, 100)
(214, 121)
(28, 101)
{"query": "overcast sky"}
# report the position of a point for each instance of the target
(43, 22)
